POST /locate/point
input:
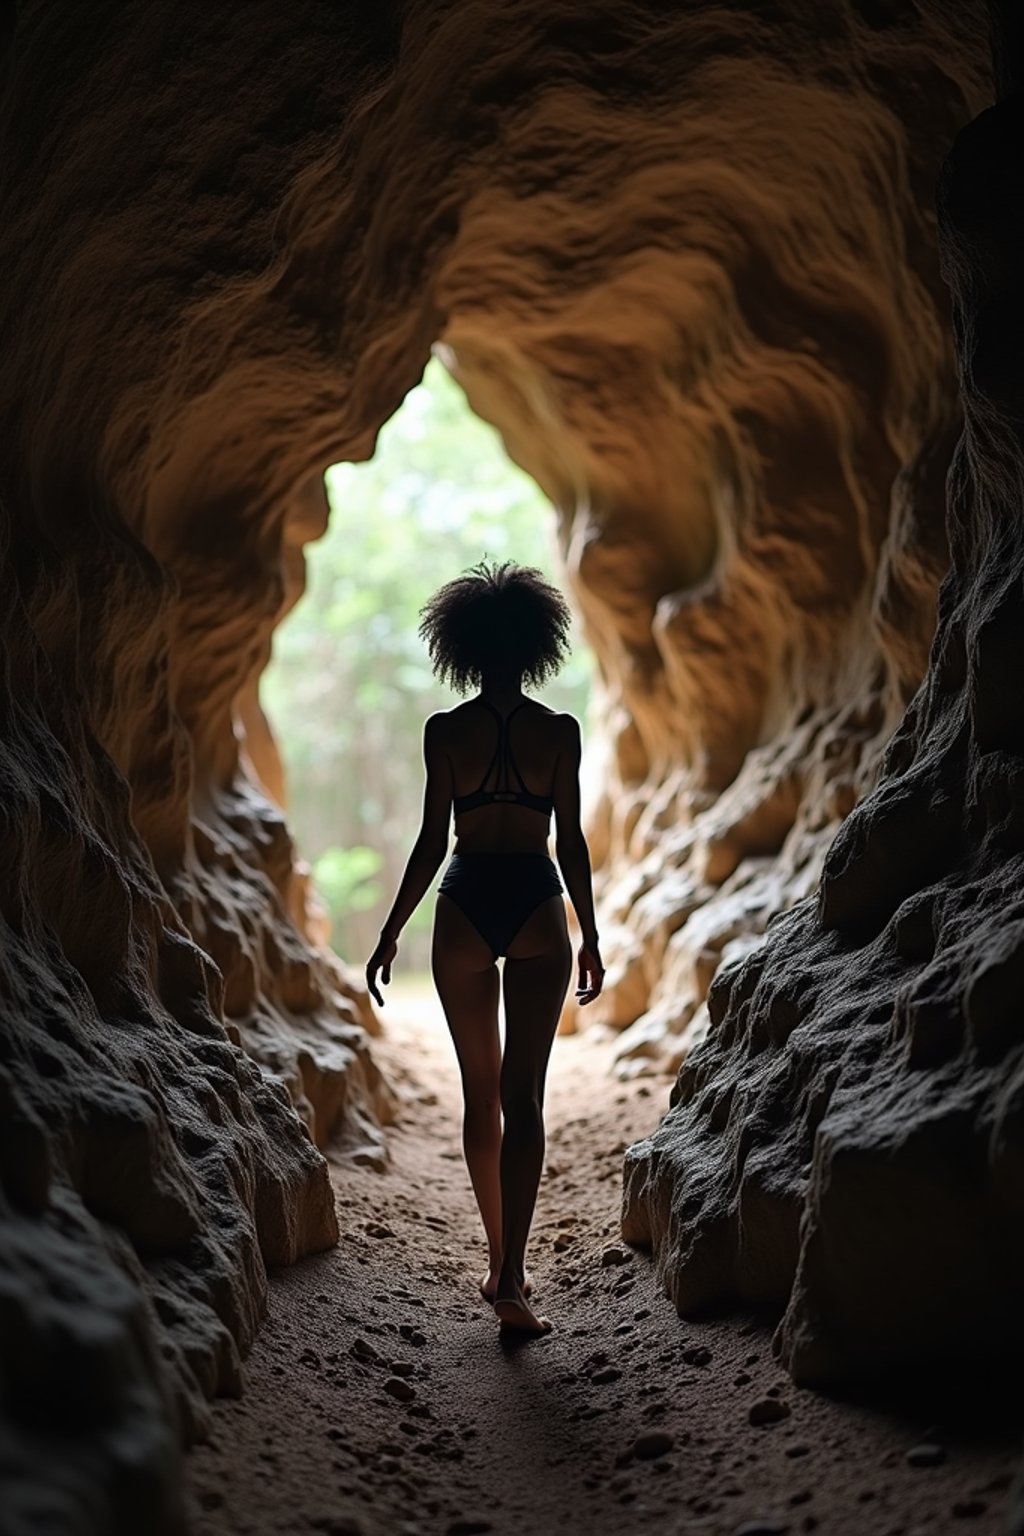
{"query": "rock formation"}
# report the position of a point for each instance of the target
(686, 263)
(847, 1143)
(741, 400)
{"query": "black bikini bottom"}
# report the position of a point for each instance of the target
(498, 891)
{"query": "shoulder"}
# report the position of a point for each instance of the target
(437, 727)
(571, 737)
(557, 719)
(565, 730)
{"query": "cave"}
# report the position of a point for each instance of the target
(735, 283)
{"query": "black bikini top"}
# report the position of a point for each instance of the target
(503, 757)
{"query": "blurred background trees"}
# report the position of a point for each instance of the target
(350, 685)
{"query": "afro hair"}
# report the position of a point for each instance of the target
(503, 619)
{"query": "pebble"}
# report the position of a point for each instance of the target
(768, 1410)
(610, 1373)
(364, 1349)
(378, 1229)
(615, 1255)
(697, 1356)
(654, 1443)
(402, 1367)
(396, 1387)
(926, 1455)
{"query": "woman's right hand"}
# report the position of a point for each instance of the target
(591, 974)
(380, 960)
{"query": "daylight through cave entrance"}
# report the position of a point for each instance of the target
(741, 300)
(349, 685)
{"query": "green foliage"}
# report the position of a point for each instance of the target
(342, 877)
(350, 685)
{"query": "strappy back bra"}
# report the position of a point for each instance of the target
(505, 761)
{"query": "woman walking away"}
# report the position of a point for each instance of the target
(501, 762)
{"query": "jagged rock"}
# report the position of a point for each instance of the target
(847, 1142)
(687, 267)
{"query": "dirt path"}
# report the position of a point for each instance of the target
(380, 1400)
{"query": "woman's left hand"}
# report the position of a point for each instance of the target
(380, 960)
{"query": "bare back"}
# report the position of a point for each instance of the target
(538, 739)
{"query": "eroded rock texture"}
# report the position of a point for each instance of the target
(849, 1141)
(725, 354)
(151, 921)
(685, 262)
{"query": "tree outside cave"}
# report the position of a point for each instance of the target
(350, 685)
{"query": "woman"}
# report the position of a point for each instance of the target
(501, 762)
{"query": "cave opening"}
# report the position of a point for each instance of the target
(701, 275)
(349, 684)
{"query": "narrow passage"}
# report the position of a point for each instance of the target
(379, 1400)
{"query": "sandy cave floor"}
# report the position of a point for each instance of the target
(379, 1397)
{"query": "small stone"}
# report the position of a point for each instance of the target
(768, 1410)
(417, 1338)
(762, 1527)
(378, 1229)
(655, 1442)
(798, 1450)
(396, 1387)
(615, 1255)
(364, 1349)
(697, 1356)
(926, 1455)
(402, 1367)
(610, 1373)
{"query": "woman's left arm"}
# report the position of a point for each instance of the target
(428, 851)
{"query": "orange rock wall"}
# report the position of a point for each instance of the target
(846, 1144)
(687, 265)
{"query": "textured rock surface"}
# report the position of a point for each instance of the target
(849, 1141)
(151, 921)
(741, 398)
(686, 264)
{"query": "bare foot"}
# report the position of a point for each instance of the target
(489, 1284)
(513, 1311)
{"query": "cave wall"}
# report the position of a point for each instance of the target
(847, 1143)
(725, 355)
(687, 264)
(173, 1047)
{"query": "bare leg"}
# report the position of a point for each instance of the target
(466, 978)
(537, 971)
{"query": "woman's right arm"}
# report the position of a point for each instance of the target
(574, 858)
